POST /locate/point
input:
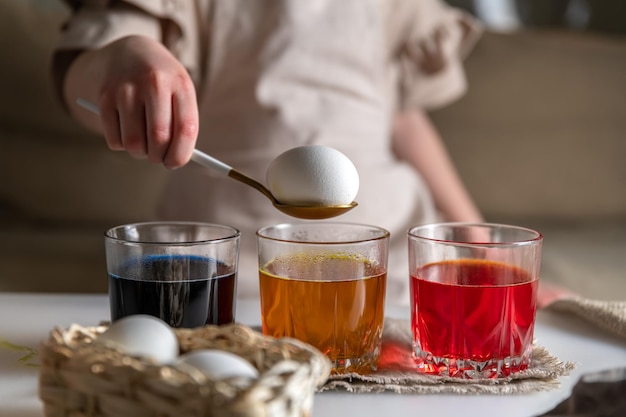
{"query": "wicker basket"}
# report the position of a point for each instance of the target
(81, 378)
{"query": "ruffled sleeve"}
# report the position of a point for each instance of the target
(429, 41)
(94, 23)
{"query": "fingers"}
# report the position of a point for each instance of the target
(123, 122)
(158, 116)
(162, 127)
(111, 126)
(184, 129)
(148, 103)
(132, 124)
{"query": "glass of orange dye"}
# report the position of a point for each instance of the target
(324, 284)
(473, 298)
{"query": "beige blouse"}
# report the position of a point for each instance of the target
(271, 75)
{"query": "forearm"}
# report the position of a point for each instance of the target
(417, 142)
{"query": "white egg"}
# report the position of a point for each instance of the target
(313, 175)
(142, 335)
(219, 364)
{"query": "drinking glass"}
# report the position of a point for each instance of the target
(324, 284)
(182, 272)
(473, 297)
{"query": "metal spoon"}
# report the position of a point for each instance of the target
(301, 212)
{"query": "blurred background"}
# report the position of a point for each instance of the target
(539, 140)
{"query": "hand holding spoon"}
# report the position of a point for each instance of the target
(311, 211)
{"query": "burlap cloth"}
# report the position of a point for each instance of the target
(607, 315)
(397, 372)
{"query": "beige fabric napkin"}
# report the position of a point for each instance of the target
(397, 372)
(608, 315)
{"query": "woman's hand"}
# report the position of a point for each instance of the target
(147, 99)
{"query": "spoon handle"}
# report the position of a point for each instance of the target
(203, 159)
(197, 156)
(86, 104)
(208, 161)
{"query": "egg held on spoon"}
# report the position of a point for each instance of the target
(313, 175)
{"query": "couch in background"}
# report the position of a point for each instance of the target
(539, 140)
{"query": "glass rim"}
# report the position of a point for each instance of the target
(233, 233)
(383, 233)
(538, 236)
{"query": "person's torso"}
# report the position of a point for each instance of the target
(287, 73)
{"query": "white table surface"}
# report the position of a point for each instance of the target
(26, 319)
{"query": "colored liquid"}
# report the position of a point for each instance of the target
(473, 310)
(184, 291)
(342, 318)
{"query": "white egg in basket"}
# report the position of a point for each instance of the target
(142, 335)
(218, 364)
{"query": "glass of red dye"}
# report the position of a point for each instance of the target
(473, 298)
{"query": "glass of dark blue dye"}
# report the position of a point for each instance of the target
(184, 273)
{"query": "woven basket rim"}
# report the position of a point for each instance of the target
(71, 364)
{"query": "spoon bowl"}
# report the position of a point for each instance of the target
(301, 212)
(313, 212)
